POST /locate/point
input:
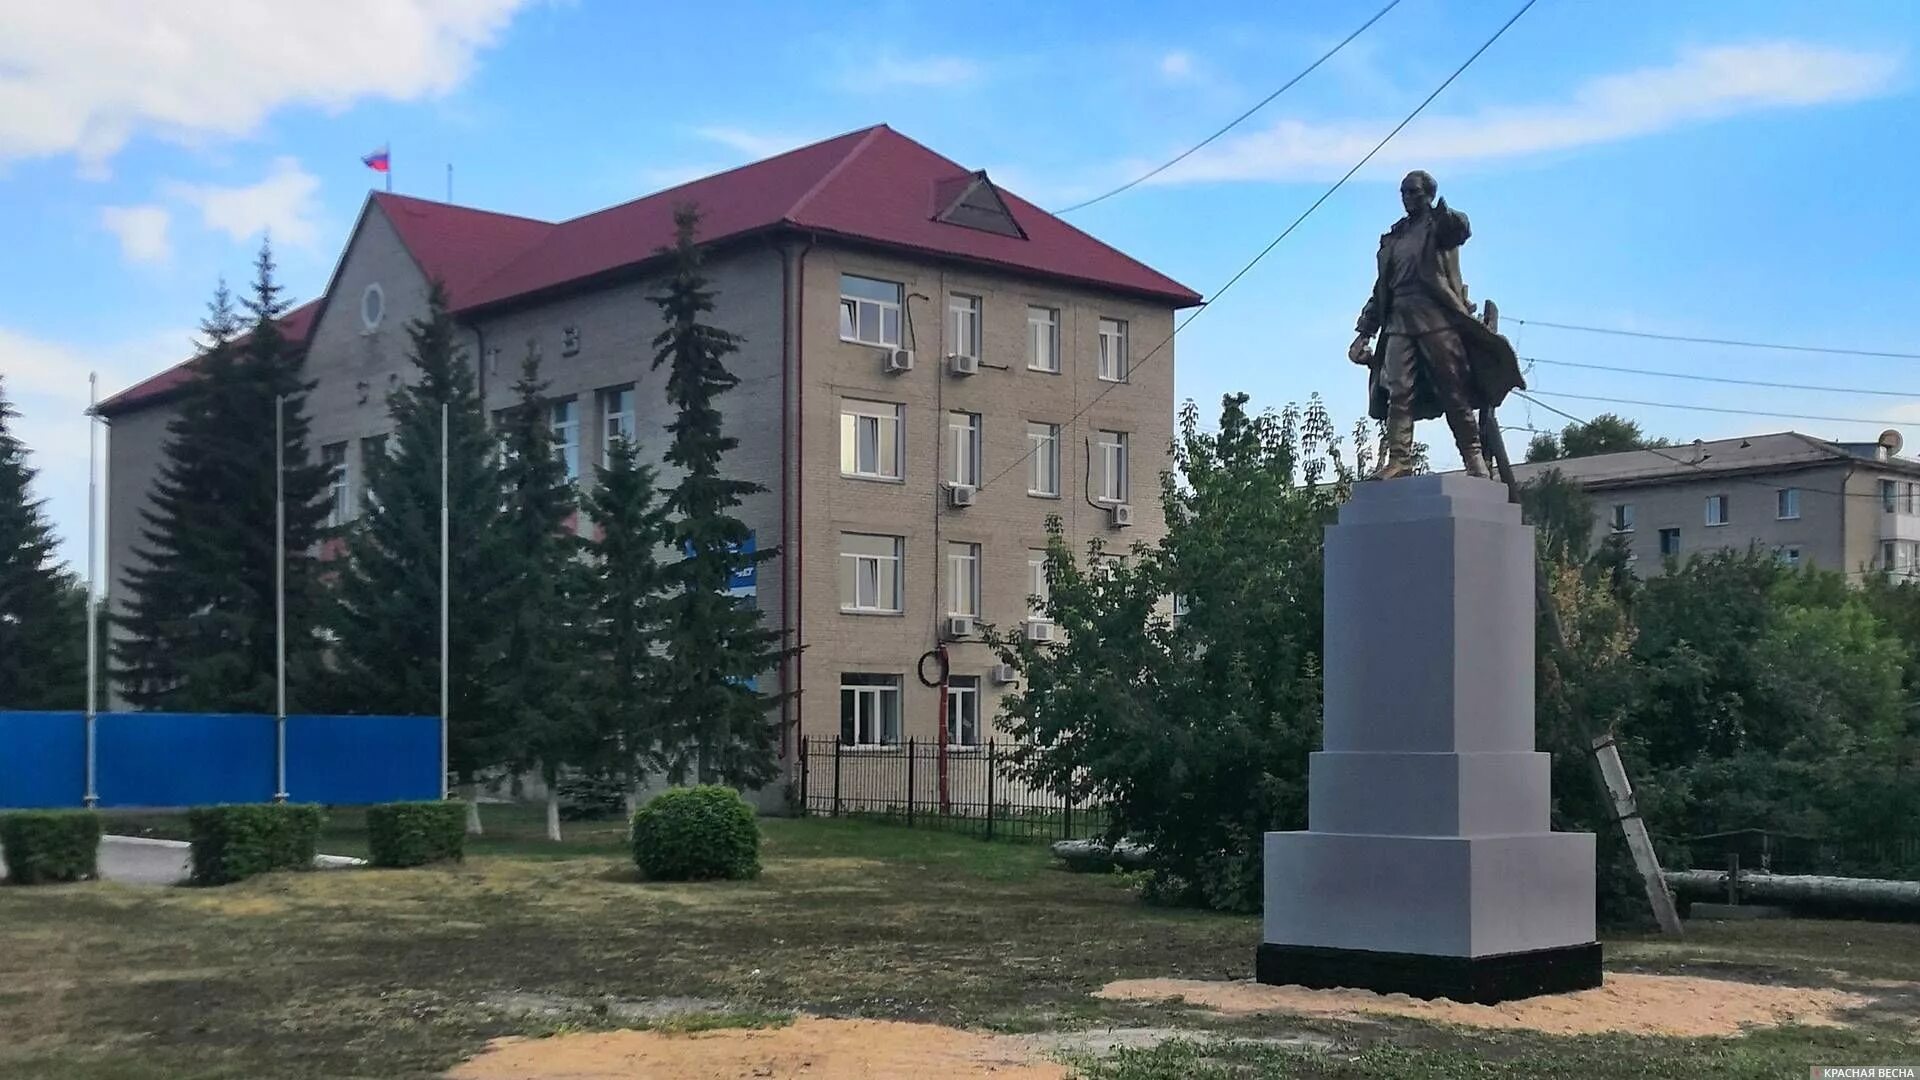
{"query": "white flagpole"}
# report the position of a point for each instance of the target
(280, 598)
(443, 600)
(91, 797)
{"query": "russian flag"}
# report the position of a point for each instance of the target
(377, 161)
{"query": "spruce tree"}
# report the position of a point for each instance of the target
(715, 645)
(387, 621)
(43, 625)
(199, 634)
(538, 695)
(627, 592)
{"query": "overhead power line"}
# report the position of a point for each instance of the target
(1718, 341)
(1235, 122)
(1718, 379)
(1274, 243)
(1723, 409)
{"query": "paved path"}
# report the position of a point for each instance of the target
(135, 860)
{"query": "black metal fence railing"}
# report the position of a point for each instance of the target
(969, 789)
(1767, 851)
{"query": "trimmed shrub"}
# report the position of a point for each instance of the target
(233, 843)
(696, 834)
(416, 833)
(50, 845)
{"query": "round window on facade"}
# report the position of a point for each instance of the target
(373, 304)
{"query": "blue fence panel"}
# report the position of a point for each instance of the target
(354, 760)
(43, 760)
(184, 759)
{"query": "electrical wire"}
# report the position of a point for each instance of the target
(1717, 341)
(1235, 122)
(1275, 242)
(1718, 379)
(1723, 409)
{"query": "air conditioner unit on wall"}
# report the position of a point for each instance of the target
(1039, 630)
(1120, 515)
(899, 360)
(959, 626)
(1004, 674)
(961, 364)
(961, 494)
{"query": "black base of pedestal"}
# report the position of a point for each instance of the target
(1482, 980)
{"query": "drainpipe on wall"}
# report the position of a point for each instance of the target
(793, 556)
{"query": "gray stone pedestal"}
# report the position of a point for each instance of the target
(1427, 866)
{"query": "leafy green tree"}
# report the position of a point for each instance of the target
(538, 693)
(387, 621)
(627, 591)
(43, 620)
(199, 633)
(1604, 434)
(1561, 513)
(715, 645)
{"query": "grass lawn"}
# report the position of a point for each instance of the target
(403, 973)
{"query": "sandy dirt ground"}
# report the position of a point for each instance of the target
(1633, 1004)
(807, 1049)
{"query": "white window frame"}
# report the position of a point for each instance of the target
(1889, 551)
(1718, 502)
(1043, 339)
(876, 709)
(883, 571)
(1790, 555)
(615, 423)
(339, 483)
(1622, 517)
(964, 325)
(563, 420)
(1037, 588)
(963, 579)
(1787, 504)
(1111, 453)
(963, 448)
(1663, 542)
(1043, 460)
(963, 710)
(856, 415)
(1113, 350)
(1889, 495)
(886, 315)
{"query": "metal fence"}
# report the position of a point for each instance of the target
(1769, 852)
(969, 789)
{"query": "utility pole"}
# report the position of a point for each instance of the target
(280, 598)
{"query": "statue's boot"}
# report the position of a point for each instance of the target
(1466, 435)
(1397, 460)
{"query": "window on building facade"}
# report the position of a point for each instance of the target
(963, 710)
(1912, 488)
(1043, 339)
(371, 447)
(1790, 555)
(869, 709)
(1887, 553)
(1110, 466)
(1669, 541)
(1789, 503)
(1889, 494)
(1623, 517)
(963, 448)
(339, 484)
(963, 325)
(1043, 459)
(564, 421)
(1037, 591)
(869, 311)
(870, 572)
(1113, 350)
(963, 579)
(616, 411)
(1716, 509)
(870, 444)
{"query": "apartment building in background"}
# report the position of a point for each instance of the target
(931, 367)
(1853, 507)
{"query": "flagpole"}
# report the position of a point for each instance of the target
(389, 149)
(443, 600)
(280, 597)
(91, 797)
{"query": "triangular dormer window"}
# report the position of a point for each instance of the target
(971, 201)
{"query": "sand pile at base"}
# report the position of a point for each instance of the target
(1633, 1004)
(807, 1049)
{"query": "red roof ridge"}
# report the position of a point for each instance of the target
(793, 212)
(385, 197)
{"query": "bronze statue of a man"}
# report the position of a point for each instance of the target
(1437, 358)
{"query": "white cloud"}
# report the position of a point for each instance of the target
(142, 231)
(82, 77)
(1703, 85)
(1177, 66)
(891, 72)
(283, 205)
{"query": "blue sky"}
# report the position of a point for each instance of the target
(1718, 170)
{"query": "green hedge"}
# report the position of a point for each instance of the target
(50, 845)
(415, 833)
(696, 833)
(232, 843)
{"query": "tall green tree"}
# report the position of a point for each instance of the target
(1604, 434)
(628, 593)
(199, 634)
(715, 645)
(43, 624)
(538, 694)
(388, 617)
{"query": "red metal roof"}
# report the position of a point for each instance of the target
(874, 185)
